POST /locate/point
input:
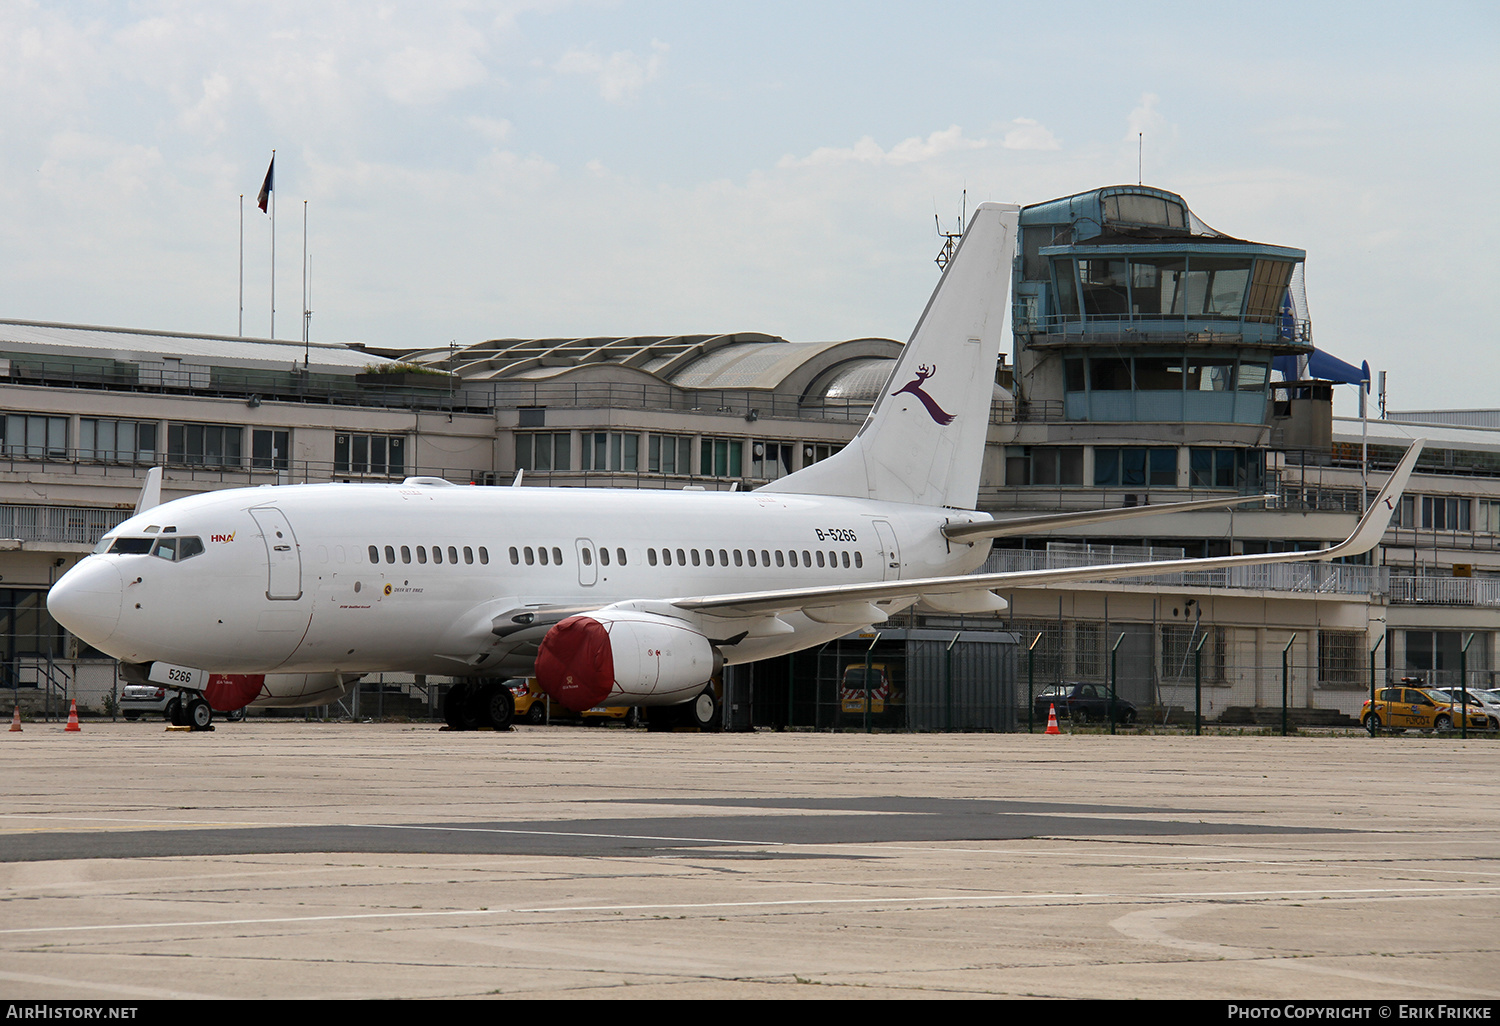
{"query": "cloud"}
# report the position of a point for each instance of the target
(1145, 119)
(495, 130)
(208, 114)
(416, 76)
(1030, 134)
(908, 151)
(621, 75)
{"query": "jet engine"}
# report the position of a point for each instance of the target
(625, 657)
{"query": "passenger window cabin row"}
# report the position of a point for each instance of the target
(831, 558)
(553, 556)
(437, 554)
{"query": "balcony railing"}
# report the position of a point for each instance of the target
(1168, 329)
(1409, 589)
(211, 471)
(77, 525)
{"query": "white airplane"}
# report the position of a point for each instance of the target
(606, 596)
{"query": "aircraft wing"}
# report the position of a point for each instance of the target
(857, 603)
(1082, 518)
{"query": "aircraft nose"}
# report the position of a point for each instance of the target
(87, 600)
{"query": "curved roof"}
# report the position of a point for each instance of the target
(858, 381)
(729, 362)
(136, 344)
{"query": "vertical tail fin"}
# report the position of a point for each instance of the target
(923, 441)
(150, 496)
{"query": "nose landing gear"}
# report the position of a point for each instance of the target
(192, 710)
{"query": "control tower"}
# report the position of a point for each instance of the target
(1142, 352)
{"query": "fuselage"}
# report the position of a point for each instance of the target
(364, 578)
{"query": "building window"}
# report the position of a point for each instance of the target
(1105, 293)
(1444, 514)
(369, 454)
(1044, 465)
(117, 441)
(1089, 659)
(817, 452)
(770, 460)
(205, 445)
(1135, 468)
(611, 450)
(1244, 469)
(1341, 656)
(544, 451)
(1487, 516)
(36, 436)
(669, 454)
(1442, 651)
(1178, 659)
(26, 628)
(721, 457)
(268, 449)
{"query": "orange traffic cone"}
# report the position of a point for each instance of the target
(15, 721)
(1052, 720)
(72, 717)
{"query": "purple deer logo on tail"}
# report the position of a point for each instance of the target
(914, 387)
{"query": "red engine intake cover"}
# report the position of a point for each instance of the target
(574, 664)
(227, 692)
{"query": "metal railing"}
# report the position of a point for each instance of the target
(1151, 328)
(238, 383)
(242, 470)
(1409, 589)
(41, 673)
(79, 525)
(480, 397)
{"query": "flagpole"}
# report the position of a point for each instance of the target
(242, 266)
(273, 250)
(305, 311)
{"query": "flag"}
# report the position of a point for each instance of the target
(266, 186)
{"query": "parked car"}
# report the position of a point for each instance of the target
(1407, 708)
(531, 707)
(1483, 699)
(139, 700)
(1082, 703)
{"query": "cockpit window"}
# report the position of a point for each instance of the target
(177, 549)
(131, 546)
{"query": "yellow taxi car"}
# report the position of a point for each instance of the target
(1408, 708)
(531, 707)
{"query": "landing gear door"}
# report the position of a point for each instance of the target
(890, 554)
(285, 560)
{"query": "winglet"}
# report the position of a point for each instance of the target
(150, 496)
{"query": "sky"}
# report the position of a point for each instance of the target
(514, 168)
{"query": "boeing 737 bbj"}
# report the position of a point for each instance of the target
(605, 595)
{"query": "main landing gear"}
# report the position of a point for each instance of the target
(705, 712)
(477, 704)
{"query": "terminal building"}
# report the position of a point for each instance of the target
(1154, 359)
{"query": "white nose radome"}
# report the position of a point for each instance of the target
(87, 600)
